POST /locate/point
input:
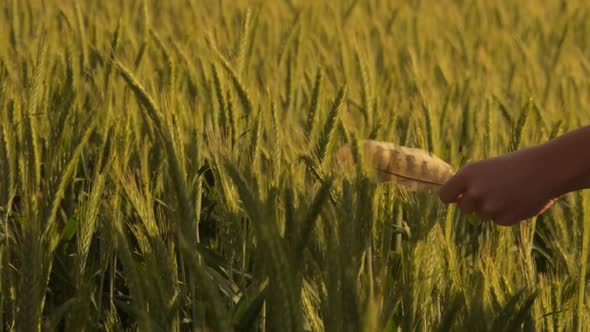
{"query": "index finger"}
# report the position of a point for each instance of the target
(453, 188)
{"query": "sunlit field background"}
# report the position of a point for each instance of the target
(169, 165)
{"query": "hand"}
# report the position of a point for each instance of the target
(506, 189)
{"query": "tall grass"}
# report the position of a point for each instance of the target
(174, 170)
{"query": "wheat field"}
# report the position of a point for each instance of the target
(171, 165)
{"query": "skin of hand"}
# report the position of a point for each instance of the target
(519, 185)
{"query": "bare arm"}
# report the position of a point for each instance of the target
(570, 154)
(524, 183)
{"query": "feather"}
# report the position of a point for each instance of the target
(414, 169)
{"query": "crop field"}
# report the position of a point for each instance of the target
(171, 165)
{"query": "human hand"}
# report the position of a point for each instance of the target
(505, 189)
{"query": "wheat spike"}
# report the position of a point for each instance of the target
(414, 169)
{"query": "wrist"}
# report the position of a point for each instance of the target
(567, 165)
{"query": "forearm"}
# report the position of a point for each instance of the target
(568, 156)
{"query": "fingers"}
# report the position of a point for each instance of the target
(506, 220)
(475, 201)
(468, 204)
(516, 216)
(453, 188)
